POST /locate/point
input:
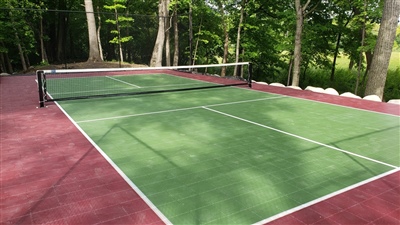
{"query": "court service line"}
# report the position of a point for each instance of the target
(124, 82)
(300, 137)
(177, 110)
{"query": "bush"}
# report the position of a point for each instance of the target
(345, 81)
(392, 87)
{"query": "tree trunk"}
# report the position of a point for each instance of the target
(18, 43)
(2, 63)
(167, 49)
(27, 61)
(5, 63)
(300, 13)
(351, 64)
(42, 47)
(61, 33)
(297, 44)
(21, 52)
(242, 67)
(368, 58)
(197, 43)
(383, 49)
(335, 57)
(339, 36)
(167, 35)
(190, 34)
(98, 34)
(297, 53)
(156, 58)
(176, 37)
(6, 60)
(289, 72)
(226, 37)
(226, 46)
(9, 65)
(238, 37)
(120, 53)
(360, 58)
(94, 53)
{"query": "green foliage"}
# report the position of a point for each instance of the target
(120, 21)
(345, 79)
(396, 46)
(116, 4)
(17, 28)
(392, 87)
(267, 37)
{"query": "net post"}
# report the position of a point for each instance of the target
(250, 78)
(40, 82)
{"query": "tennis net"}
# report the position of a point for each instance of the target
(70, 84)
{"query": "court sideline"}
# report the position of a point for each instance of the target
(51, 174)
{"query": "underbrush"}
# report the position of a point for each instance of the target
(345, 81)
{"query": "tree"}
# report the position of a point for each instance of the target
(344, 15)
(239, 30)
(94, 52)
(191, 58)
(5, 62)
(383, 49)
(176, 35)
(119, 22)
(206, 44)
(22, 35)
(301, 12)
(167, 25)
(98, 33)
(156, 58)
(225, 26)
(62, 23)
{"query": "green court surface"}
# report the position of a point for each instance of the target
(104, 85)
(234, 155)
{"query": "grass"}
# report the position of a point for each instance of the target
(343, 62)
(395, 61)
(345, 79)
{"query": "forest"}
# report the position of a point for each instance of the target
(326, 43)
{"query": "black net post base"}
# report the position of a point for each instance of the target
(41, 83)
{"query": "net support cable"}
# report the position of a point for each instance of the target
(44, 96)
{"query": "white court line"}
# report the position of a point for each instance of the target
(323, 198)
(121, 173)
(91, 91)
(177, 110)
(175, 85)
(326, 103)
(124, 82)
(300, 137)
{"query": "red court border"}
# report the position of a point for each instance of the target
(51, 174)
